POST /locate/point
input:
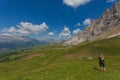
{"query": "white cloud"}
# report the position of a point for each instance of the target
(87, 22)
(75, 3)
(51, 34)
(78, 24)
(65, 33)
(27, 28)
(110, 1)
(22, 31)
(9, 30)
(77, 31)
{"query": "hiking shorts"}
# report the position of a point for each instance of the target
(102, 63)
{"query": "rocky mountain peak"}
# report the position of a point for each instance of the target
(107, 25)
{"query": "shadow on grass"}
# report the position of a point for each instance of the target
(95, 68)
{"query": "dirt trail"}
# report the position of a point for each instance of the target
(35, 55)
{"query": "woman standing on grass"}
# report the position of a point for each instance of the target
(101, 62)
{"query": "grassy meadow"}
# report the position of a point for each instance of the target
(58, 62)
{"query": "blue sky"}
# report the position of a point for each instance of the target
(44, 19)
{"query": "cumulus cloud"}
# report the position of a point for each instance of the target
(77, 31)
(87, 22)
(51, 34)
(78, 24)
(110, 1)
(65, 33)
(9, 30)
(75, 3)
(27, 28)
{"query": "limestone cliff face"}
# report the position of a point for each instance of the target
(104, 27)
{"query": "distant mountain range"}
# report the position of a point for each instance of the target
(107, 26)
(9, 38)
(8, 41)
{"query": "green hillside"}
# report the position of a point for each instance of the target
(58, 62)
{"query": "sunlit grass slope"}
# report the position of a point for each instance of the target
(57, 62)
